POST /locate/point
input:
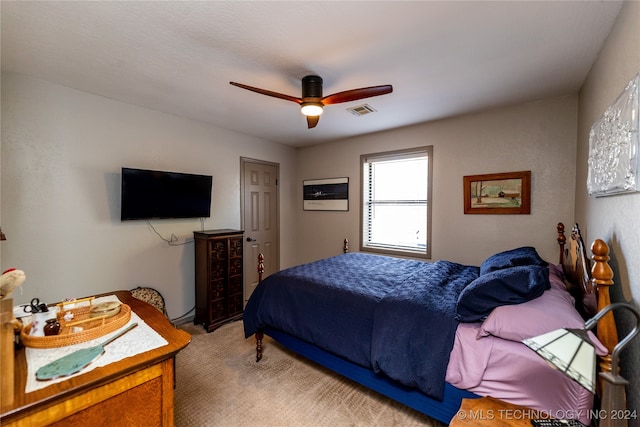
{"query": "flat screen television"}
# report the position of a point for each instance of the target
(148, 194)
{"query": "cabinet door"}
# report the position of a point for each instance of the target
(235, 298)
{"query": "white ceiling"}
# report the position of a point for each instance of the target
(442, 58)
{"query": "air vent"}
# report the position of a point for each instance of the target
(361, 110)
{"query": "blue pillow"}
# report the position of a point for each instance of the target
(513, 285)
(525, 255)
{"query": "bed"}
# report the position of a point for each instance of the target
(428, 334)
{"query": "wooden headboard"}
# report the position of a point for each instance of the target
(589, 283)
(577, 271)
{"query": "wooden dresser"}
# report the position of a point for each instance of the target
(134, 391)
(219, 283)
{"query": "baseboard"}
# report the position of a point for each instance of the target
(183, 320)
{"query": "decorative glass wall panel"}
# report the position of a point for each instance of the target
(613, 146)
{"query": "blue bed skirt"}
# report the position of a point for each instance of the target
(443, 411)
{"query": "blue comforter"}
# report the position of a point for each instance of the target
(392, 315)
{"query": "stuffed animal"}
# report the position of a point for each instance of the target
(10, 280)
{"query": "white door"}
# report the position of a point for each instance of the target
(260, 219)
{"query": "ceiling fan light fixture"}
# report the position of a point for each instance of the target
(311, 108)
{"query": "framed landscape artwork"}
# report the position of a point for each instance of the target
(498, 193)
(330, 194)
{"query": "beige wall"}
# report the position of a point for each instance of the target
(615, 218)
(62, 151)
(539, 136)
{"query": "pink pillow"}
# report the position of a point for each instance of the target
(553, 310)
(557, 280)
(556, 277)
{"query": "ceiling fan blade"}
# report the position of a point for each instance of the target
(354, 94)
(268, 93)
(312, 121)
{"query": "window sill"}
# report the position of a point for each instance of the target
(396, 252)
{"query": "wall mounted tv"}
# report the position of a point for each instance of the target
(148, 194)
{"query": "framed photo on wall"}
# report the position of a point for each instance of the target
(330, 194)
(498, 193)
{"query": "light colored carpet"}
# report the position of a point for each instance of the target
(219, 383)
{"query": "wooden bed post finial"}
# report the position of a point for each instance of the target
(260, 267)
(561, 240)
(345, 247)
(602, 278)
(601, 271)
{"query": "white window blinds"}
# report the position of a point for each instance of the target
(395, 205)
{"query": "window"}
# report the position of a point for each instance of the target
(396, 208)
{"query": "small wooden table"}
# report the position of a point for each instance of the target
(137, 390)
(487, 411)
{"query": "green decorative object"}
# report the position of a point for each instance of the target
(76, 361)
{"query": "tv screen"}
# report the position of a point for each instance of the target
(150, 194)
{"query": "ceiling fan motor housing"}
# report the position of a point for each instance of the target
(312, 87)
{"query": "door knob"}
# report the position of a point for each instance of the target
(249, 239)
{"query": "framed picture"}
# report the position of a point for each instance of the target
(330, 194)
(498, 193)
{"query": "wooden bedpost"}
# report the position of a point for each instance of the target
(561, 241)
(260, 267)
(345, 246)
(602, 278)
(259, 335)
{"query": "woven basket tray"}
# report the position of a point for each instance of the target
(92, 328)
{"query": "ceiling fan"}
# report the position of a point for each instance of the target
(312, 101)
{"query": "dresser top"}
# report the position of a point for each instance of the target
(219, 232)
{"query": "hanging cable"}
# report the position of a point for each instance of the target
(172, 240)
